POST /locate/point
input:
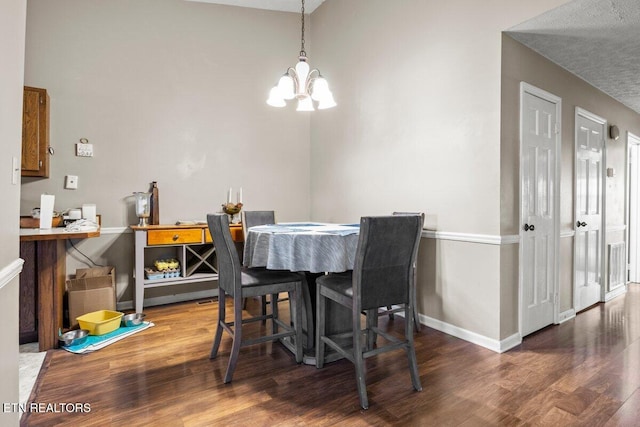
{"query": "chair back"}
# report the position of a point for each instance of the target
(387, 251)
(254, 218)
(229, 266)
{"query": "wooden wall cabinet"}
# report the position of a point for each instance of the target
(35, 132)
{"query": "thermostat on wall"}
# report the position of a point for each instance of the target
(84, 149)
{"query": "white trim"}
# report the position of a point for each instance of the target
(170, 299)
(632, 264)
(566, 315)
(620, 290)
(557, 101)
(489, 239)
(567, 233)
(10, 272)
(115, 230)
(472, 337)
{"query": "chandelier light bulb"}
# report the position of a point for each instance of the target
(275, 98)
(320, 89)
(327, 102)
(305, 104)
(285, 86)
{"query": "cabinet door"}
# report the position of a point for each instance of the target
(35, 133)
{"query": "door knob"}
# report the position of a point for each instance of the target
(581, 224)
(528, 227)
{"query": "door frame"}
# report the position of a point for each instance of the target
(632, 139)
(603, 197)
(547, 96)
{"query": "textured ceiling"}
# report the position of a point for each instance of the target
(597, 40)
(281, 5)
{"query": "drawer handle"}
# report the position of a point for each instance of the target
(175, 237)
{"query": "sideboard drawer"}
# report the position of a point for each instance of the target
(174, 236)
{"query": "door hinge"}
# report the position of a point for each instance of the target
(556, 128)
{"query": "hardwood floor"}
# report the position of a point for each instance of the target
(584, 372)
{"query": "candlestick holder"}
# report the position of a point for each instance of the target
(233, 211)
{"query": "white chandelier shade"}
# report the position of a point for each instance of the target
(303, 84)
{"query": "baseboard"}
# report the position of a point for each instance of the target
(566, 315)
(499, 346)
(621, 290)
(170, 299)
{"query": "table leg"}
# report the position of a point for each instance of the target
(339, 318)
(51, 259)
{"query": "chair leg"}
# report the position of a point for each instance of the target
(295, 299)
(263, 307)
(416, 318)
(358, 361)
(411, 354)
(372, 320)
(219, 329)
(389, 307)
(274, 312)
(321, 309)
(237, 342)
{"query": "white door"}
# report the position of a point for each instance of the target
(539, 232)
(588, 203)
(634, 207)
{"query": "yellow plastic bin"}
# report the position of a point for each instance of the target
(100, 322)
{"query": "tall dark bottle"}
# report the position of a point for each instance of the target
(154, 217)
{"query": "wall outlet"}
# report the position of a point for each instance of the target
(84, 150)
(71, 182)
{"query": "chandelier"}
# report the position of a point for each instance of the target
(300, 83)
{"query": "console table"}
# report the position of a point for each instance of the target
(190, 244)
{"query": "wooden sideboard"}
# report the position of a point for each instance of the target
(191, 245)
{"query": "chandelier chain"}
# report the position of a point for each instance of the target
(302, 52)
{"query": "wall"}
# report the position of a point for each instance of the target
(417, 128)
(170, 91)
(12, 35)
(520, 63)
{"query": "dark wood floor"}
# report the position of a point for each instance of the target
(584, 372)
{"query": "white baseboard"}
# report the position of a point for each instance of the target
(499, 346)
(566, 315)
(170, 299)
(621, 290)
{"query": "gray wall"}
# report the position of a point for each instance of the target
(417, 128)
(12, 30)
(170, 91)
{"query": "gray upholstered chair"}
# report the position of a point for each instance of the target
(252, 219)
(390, 310)
(382, 275)
(239, 282)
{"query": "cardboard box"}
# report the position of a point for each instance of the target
(92, 289)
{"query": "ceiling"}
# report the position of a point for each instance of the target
(597, 40)
(281, 5)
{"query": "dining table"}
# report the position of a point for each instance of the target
(313, 249)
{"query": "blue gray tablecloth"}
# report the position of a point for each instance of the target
(309, 247)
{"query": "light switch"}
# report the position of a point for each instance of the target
(71, 182)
